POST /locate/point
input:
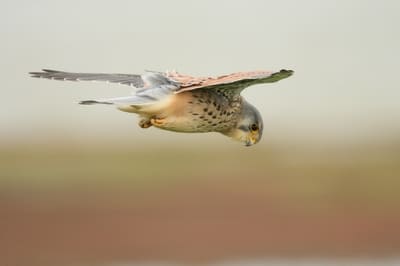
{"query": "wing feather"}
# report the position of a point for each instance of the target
(124, 79)
(156, 85)
(236, 81)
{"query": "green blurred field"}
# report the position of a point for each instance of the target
(330, 174)
(88, 204)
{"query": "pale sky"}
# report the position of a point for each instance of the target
(345, 55)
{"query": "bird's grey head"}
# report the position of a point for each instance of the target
(249, 127)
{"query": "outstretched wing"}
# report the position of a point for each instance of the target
(231, 84)
(125, 79)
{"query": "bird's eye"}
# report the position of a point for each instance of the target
(254, 127)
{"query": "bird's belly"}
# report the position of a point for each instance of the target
(197, 122)
(183, 124)
(196, 112)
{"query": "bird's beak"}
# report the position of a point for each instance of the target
(252, 139)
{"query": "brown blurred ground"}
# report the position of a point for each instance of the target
(75, 204)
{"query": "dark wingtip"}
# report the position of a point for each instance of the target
(285, 71)
(50, 70)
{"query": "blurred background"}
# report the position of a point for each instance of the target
(84, 185)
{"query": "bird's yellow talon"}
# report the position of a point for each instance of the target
(157, 121)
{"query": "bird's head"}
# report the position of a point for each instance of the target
(249, 127)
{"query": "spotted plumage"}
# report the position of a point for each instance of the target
(183, 103)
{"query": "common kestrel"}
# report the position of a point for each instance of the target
(181, 103)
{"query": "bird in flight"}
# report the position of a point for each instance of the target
(182, 103)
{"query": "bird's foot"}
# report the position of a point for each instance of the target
(145, 123)
(158, 122)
